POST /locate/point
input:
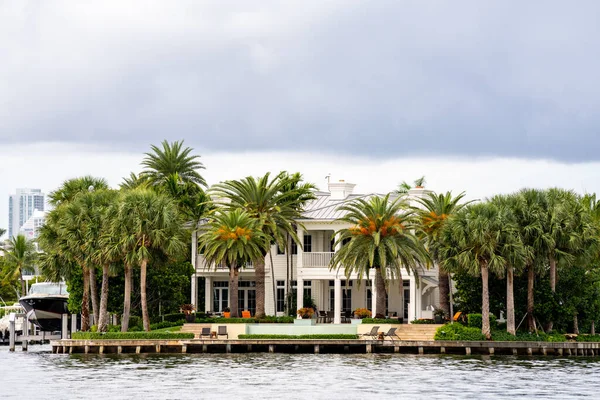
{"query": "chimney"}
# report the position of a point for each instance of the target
(340, 190)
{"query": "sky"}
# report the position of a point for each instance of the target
(483, 97)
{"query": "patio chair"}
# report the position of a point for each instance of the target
(373, 333)
(205, 332)
(246, 314)
(329, 317)
(391, 333)
(322, 317)
(347, 316)
(222, 331)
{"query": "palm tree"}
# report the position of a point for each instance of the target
(275, 209)
(66, 193)
(146, 220)
(234, 238)
(172, 159)
(381, 238)
(2, 232)
(133, 181)
(473, 242)
(19, 254)
(513, 250)
(435, 210)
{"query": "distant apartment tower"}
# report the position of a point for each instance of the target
(21, 207)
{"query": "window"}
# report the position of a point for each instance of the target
(280, 296)
(307, 245)
(307, 289)
(281, 251)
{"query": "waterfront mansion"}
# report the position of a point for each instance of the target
(328, 288)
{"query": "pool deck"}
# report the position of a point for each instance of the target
(68, 346)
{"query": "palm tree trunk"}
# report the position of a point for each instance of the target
(85, 301)
(145, 317)
(94, 294)
(593, 328)
(288, 260)
(485, 302)
(126, 299)
(273, 280)
(103, 317)
(550, 324)
(381, 292)
(23, 289)
(530, 302)
(510, 301)
(575, 324)
(259, 272)
(233, 291)
(443, 290)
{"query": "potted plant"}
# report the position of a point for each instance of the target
(188, 311)
(439, 315)
(306, 312)
(361, 313)
(227, 312)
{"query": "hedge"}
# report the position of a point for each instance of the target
(457, 331)
(423, 321)
(264, 320)
(381, 321)
(323, 336)
(129, 335)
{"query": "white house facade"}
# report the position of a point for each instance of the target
(330, 289)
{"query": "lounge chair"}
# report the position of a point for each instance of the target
(322, 317)
(456, 316)
(373, 333)
(222, 331)
(205, 332)
(391, 333)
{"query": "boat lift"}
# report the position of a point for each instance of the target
(29, 332)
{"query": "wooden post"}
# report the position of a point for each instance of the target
(228, 348)
(529, 351)
(515, 352)
(560, 351)
(396, 349)
(271, 348)
(11, 333)
(101, 350)
(369, 348)
(249, 348)
(138, 349)
(544, 351)
(491, 351)
(468, 351)
(73, 323)
(184, 348)
(317, 349)
(119, 349)
(421, 350)
(64, 350)
(205, 348)
(158, 348)
(64, 333)
(86, 349)
(442, 350)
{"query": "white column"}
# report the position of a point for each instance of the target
(194, 291)
(208, 293)
(337, 303)
(411, 304)
(338, 245)
(299, 264)
(373, 297)
(418, 298)
(299, 291)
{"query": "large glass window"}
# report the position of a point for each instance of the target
(307, 244)
(220, 296)
(280, 296)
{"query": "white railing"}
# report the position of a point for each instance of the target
(201, 265)
(318, 260)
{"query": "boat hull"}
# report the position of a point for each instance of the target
(45, 312)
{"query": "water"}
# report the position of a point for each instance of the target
(39, 374)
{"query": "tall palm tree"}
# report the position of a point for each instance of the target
(275, 210)
(232, 237)
(433, 213)
(2, 231)
(381, 238)
(19, 253)
(146, 220)
(513, 250)
(473, 242)
(172, 158)
(66, 193)
(303, 193)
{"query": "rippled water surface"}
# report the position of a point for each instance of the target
(39, 374)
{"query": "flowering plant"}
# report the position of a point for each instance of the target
(306, 312)
(361, 313)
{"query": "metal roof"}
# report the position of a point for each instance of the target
(325, 208)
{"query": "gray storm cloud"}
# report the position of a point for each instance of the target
(372, 78)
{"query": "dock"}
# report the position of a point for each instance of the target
(323, 346)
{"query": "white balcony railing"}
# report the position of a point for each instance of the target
(201, 265)
(317, 260)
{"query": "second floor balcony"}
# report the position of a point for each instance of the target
(317, 259)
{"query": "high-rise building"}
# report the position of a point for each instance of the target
(21, 207)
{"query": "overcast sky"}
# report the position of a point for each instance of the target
(482, 96)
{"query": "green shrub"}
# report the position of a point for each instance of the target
(381, 321)
(129, 335)
(475, 321)
(422, 321)
(135, 322)
(264, 320)
(588, 338)
(322, 336)
(274, 320)
(166, 324)
(458, 332)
